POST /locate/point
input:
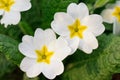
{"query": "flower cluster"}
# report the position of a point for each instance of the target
(10, 10)
(44, 52)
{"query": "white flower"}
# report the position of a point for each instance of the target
(10, 10)
(78, 27)
(112, 15)
(44, 54)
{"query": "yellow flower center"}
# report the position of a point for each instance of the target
(6, 4)
(116, 13)
(43, 55)
(76, 29)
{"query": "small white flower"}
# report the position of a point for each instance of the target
(112, 15)
(10, 10)
(44, 54)
(78, 27)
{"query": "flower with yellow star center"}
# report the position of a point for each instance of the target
(112, 15)
(43, 54)
(78, 27)
(10, 11)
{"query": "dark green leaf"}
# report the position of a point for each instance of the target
(5, 65)
(9, 47)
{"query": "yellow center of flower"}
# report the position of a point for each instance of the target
(116, 13)
(6, 4)
(76, 29)
(43, 55)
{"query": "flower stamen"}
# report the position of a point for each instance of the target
(6, 4)
(76, 29)
(43, 55)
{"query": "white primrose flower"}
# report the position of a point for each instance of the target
(10, 10)
(112, 15)
(78, 27)
(44, 54)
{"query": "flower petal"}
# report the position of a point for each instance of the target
(85, 47)
(39, 40)
(61, 49)
(116, 27)
(49, 36)
(26, 63)
(88, 43)
(30, 66)
(94, 24)
(34, 70)
(21, 5)
(73, 43)
(92, 40)
(53, 69)
(61, 22)
(27, 47)
(107, 15)
(78, 11)
(11, 17)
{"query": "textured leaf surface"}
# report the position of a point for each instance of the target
(9, 47)
(5, 65)
(100, 65)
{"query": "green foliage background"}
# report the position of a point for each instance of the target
(100, 65)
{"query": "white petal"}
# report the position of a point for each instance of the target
(88, 43)
(73, 43)
(1, 12)
(12, 17)
(26, 63)
(39, 40)
(90, 39)
(107, 15)
(61, 49)
(49, 36)
(78, 11)
(27, 38)
(116, 27)
(94, 24)
(53, 69)
(27, 47)
(34, 70)
(85, 47)
(61, 23)
(21, 5)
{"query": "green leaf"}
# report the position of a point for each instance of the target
(25, 28)
(100, 3)
(9, 47)
(5, 65)
(100, 65)
(50, 7)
